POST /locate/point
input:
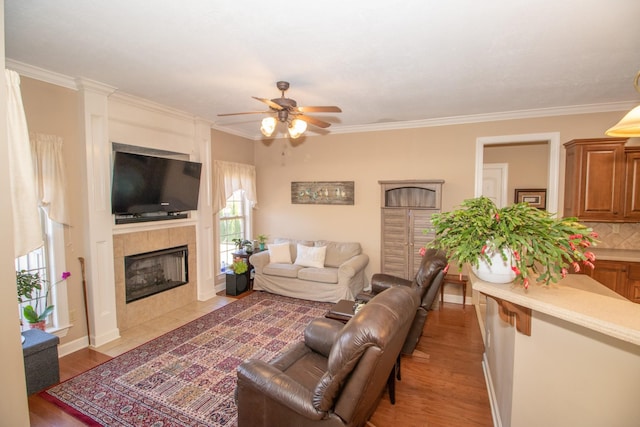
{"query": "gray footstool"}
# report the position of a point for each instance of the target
(40, 350)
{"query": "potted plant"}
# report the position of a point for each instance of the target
(34, 289)
(236, 277)
(527, 240)
(262, 240)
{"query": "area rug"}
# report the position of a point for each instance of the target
(187, 377)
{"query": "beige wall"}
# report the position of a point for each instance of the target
(54, 110)
(445, 152)
(231, 148)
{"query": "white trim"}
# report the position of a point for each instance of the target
(553, 138)
(71, 83)
(73, 346)
(493, 400)
(41, 74)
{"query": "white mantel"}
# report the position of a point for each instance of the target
(109, 117)
(560, 355)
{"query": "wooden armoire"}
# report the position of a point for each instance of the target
(406, 208)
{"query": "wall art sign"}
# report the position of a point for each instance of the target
(536, 197)
(322, 193)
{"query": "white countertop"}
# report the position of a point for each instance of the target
(577, 299)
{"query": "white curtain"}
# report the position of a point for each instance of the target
(49, 169)
(26, 221)
(229, 177)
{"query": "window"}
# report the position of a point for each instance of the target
(235, 223)
(50, 267)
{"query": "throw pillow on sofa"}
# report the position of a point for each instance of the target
(279, 253)
(309, 256)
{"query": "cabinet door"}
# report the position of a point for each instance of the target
(633, 282)
(612, 274)
(419, 222)
(594, 180)
(632, 184)
(395, 242)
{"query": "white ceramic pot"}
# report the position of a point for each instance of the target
(499, 271)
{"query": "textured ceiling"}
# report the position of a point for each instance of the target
(384, 63)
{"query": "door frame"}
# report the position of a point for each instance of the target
(553, 180)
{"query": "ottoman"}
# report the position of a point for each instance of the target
(40, 351)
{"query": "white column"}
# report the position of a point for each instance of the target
(205, 227)
(98, 221)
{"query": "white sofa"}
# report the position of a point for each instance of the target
(340, 274)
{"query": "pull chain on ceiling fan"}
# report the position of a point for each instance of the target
(287, 111)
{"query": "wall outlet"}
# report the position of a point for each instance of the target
(72, 316)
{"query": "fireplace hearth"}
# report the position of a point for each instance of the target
(150, 273)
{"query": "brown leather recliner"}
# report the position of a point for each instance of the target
(336, 376)
(427, 283)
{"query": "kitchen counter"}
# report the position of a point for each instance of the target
(567, 354)
(577, 299)
(629, 255)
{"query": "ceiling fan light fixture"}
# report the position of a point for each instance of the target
(268, 126)
(629, 125)
(297, 128)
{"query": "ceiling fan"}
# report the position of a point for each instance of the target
(287, 111)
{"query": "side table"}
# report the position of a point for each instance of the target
(343, 311)
(457, 279)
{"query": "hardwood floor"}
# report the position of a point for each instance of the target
(442, 382)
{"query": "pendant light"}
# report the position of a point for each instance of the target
(629, 125)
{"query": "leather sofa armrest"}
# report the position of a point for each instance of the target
(321, 333)
(275, 385)
(365, 296)
(259, 260)
(381, 282)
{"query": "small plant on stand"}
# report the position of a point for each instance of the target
(34, 289)
(262, 240)
(239, 266)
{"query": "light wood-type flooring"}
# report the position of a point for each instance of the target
(442, 382)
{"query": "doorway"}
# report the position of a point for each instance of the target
(553, 179)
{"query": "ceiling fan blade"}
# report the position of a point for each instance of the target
(313, 121)
(324, 109)
(247, 112)
(269, 102)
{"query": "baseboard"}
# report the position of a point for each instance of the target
(493, 401)
(456, 299)
(73, 346)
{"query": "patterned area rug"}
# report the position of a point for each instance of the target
(187, 377)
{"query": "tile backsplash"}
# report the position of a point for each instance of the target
(617, 236)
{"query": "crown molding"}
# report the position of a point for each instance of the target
(75, 84)
(41, 74)
(490, 117)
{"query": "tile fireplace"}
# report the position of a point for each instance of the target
(153, 272)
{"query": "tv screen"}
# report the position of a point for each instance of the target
(147, 184)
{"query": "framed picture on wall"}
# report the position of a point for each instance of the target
(536, 197)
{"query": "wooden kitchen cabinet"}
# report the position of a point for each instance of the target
(595, 179)
(407, 207)
(622, 277)
(632, 184)
(612, 274)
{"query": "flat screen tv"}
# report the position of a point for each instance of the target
(145, 184)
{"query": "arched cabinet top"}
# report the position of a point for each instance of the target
(426, 194)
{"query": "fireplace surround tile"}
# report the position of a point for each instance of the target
(131, 314)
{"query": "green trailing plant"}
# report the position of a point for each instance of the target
(239, 266)
(542, 245)
(33, 288)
